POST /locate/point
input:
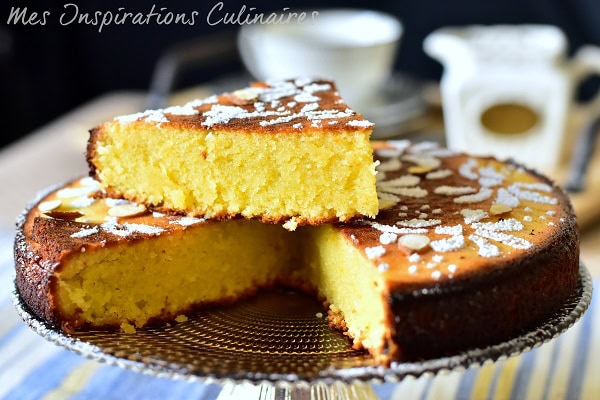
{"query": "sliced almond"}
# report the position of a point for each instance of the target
(49, 205)
(419, 169)
(393, 164)
(246, 94)
(401, 181)
(66, 215)
(384, 204)
(497, 209)
(423, 161)
(126, 210)
(446, 190)
(71, 192)
(414, 241)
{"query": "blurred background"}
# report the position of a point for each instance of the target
(56, 82)
(48, 70)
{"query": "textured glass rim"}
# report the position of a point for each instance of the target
(566, 317)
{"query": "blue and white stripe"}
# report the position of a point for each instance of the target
(31, 368)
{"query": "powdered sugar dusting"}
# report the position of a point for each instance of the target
(279, 120)
(486, 249)
(268, 105)
(361, 123)
(503, 196)
(395, 229)
(414, 258)
(375, 252)
(473, 215)
(419, 223)
(509, 240)
(315, 87)
(536, 197)
(466, 169)
(541, 187)
(455, 242)
(483, 194)
(305, 98)
(85, 232)
(509, 224)
(187, 221)
(388, 238)
(128, 229)
(221, 114)
(181, 110)
(309, 107)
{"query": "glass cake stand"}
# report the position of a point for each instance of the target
(278, 345)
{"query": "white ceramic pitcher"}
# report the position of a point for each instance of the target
(508, 90)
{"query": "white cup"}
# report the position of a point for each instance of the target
(355, 48)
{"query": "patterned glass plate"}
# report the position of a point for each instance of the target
(280, 338)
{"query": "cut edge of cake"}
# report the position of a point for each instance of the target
(279, 151)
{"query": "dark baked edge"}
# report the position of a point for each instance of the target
(485, 309)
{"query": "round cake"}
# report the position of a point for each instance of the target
(465, 252)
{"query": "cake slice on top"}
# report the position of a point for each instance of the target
(283, 151)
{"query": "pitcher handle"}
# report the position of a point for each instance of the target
(585, 62)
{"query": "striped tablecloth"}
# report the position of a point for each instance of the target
(31, 368)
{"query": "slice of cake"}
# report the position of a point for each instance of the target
(277, 151)
(465, 252)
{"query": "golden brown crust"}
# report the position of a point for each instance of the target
(481, 303)
(491, 308)
(542, 228)
(35, 280)
(274, 107)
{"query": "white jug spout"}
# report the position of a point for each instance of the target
(448, 46)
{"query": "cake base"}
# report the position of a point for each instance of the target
(280, 338)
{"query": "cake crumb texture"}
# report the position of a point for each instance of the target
(268, 153)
